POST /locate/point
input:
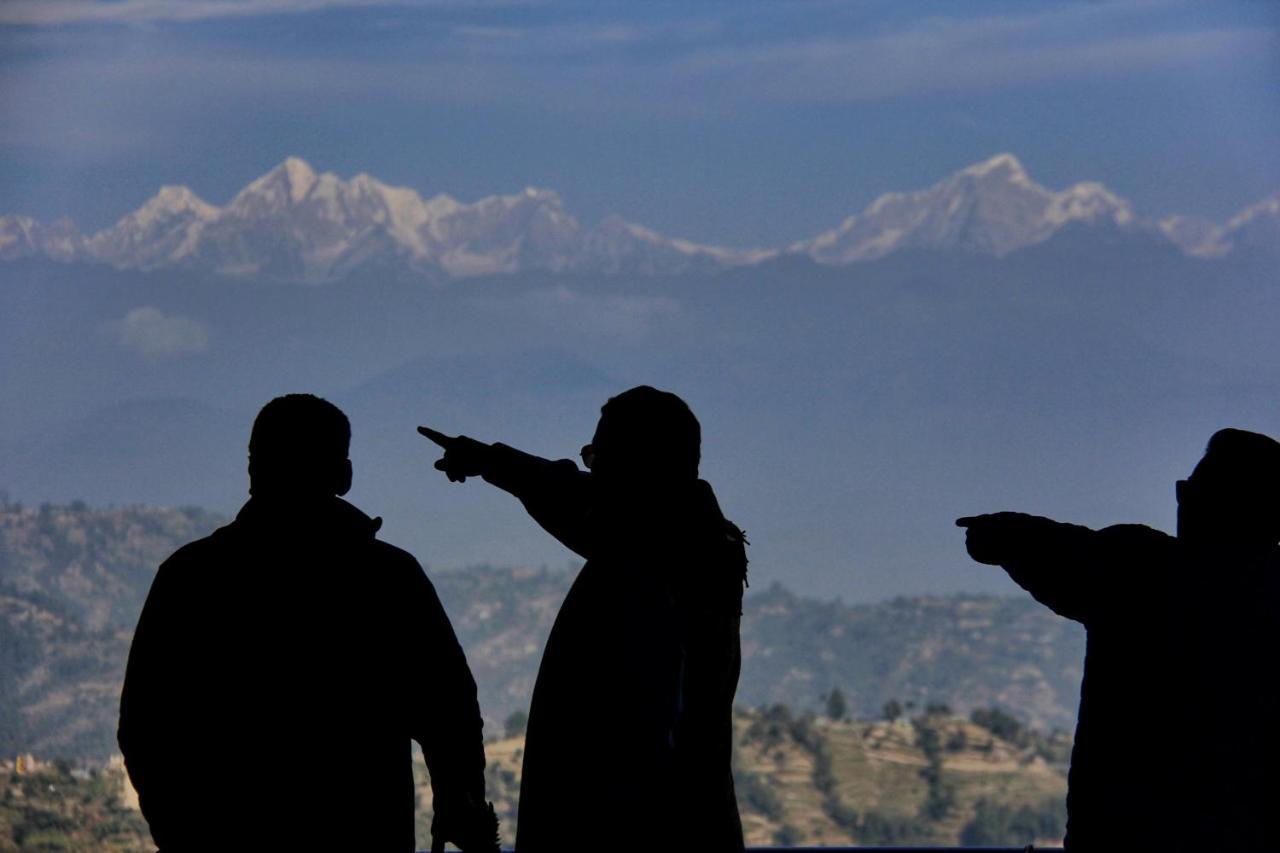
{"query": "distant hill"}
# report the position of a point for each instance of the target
(965, 651)
(72, 581)
(961, 650)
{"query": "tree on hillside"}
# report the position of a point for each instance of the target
(837, 707)
(515, 724)
(995, 823)
(1001, 724)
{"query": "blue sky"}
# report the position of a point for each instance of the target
(743, 123)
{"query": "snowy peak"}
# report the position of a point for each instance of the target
(17, 237)
(991, 208)
(162, 231)
(1265, 210)
(299, 176)
(282, 187)
(22, 237)
(618, 246)
(177, 200)
(1195, 236)
(1089, 202)
(1256, 228)
(1002, 167)
(294, 223)
(501, 234)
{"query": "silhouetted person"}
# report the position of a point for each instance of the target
(283, 665)
(629, 739)
(1177, 745)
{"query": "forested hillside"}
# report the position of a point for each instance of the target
(73, 578)
(922, 777)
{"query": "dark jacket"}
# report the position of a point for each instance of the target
(630, 733)
(279, 671)
(1176, 742)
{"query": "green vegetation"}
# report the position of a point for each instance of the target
(999, 723)
(941, 795)
(920, 781)
(800, 781)
(963, 651)
(72, 580)
(57, 808)
(1000, 824)
(515, 724)
(836, 706)
(755, 794)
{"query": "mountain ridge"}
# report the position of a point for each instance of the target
(296, 224)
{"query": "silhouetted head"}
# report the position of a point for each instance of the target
(298, 448)
(1232, 498)
(645, 438)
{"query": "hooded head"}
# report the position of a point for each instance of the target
(298, 448)
(1232, 498)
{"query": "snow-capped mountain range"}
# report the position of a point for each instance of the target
(295, 224)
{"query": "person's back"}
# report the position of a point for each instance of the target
(280, 669)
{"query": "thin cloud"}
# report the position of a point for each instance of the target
(691, 60)
(149, 331)
(617, 318)
(52, 13)
(950, 54)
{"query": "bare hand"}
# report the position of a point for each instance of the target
(469, 825)
(463, 457)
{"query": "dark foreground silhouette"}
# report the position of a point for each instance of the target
(282, 665)
(1177, 745)
(629, 737)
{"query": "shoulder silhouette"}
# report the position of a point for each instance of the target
(282, 667)
(637, 680)
(1174, 746)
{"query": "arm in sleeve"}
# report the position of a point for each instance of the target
(709, 678)
(1074, 570)
(1055, 562)
(151, 703)
(556, 494)
(445, 714)
(711, 665)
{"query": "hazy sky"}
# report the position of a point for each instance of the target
(745, 123)
(752, 122)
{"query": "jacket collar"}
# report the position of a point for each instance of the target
(329, 513)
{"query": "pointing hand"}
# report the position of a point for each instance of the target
(463, 457)
(991, 538)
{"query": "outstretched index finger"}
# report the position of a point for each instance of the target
(438, 437)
